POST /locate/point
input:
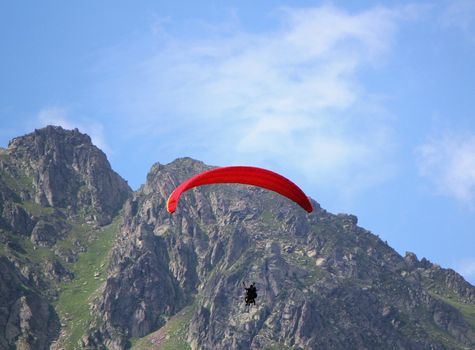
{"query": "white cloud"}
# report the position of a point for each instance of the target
(466, 268)
(448, 162)
(55, 116)
(59, 116)
(291, 96)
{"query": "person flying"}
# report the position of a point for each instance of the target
(251, 294)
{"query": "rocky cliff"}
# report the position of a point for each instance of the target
(56, 190)
(27, 320)
(86, 263)
(65, 170)
(323, 281)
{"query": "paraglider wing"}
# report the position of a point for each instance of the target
(246, 175)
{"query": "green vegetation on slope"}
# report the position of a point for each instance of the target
(75, 298)
(444, 337)
(426, 325)
(34, 253)
(36, 209)
(18, 183)
(172, 336)
(25, 251)
(467, 310)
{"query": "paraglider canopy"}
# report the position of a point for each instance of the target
(246, 175)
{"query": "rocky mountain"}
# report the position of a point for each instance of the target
(86, 263)
(65, 170)
(56, 191)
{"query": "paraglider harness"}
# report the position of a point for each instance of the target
(251, 294)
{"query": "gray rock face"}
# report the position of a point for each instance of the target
(66, 170)
(26, 318)
(17, 219)
(51, 181)
(323, 282)
(138, 297)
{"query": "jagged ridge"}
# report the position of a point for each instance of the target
(56, 191)
(323, 281)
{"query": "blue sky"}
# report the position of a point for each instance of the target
(369, 106)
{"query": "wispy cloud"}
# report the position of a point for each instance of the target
(291, 96)
(466, 267)
(55, 116)
(448, 162)
(58, 116)
(460, 14)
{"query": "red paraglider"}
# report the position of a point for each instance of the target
(246, 175)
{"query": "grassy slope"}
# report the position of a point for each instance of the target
(18, 183)
(89, 271)
(172, 336)
(467, 310)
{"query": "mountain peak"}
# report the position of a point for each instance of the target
(33, 144)
(66, 170)
(322, 280)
